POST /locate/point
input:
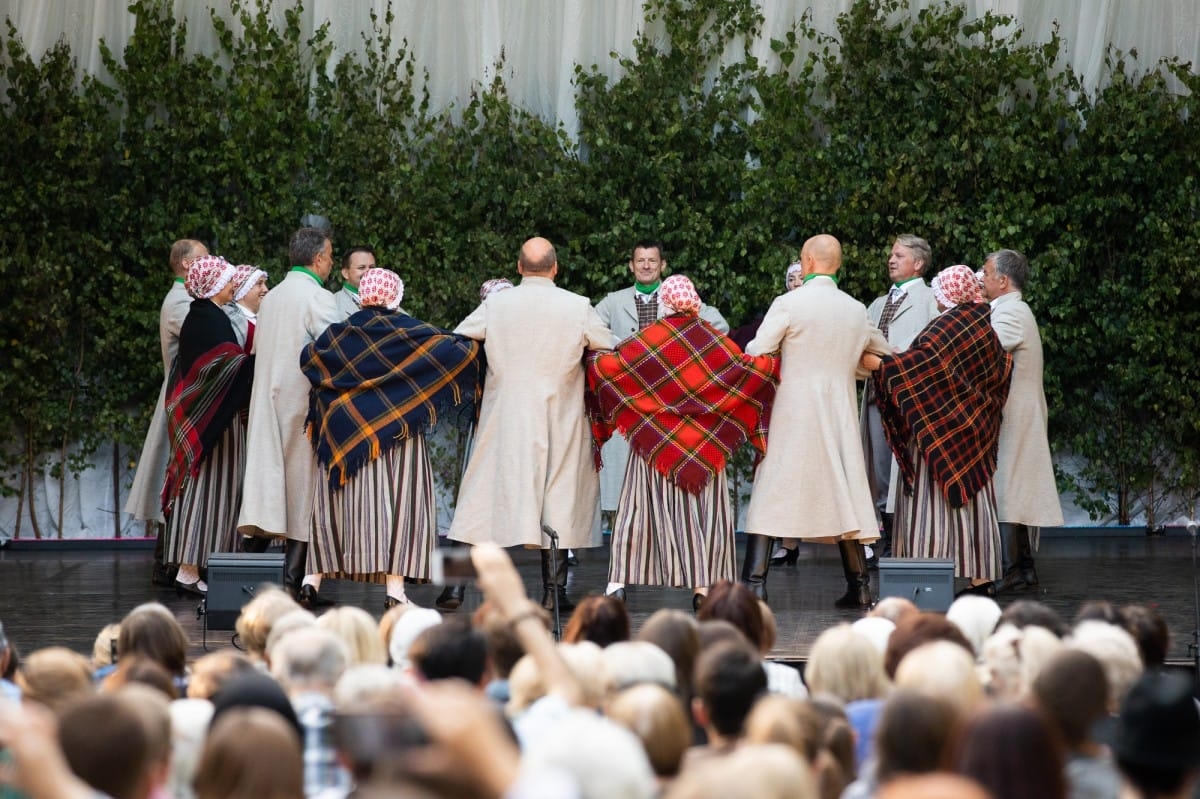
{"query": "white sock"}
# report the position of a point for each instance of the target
(395, 586)
(188, 574)
(612, 588)
(314, 580)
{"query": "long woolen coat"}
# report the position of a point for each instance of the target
(532, 459)
(145, 495)
(1025, 489)
(281, 465)
(812, 483)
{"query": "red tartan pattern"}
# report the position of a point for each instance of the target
(946, 392)
(684, 395)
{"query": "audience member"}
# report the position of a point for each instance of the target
(54, 677)
(451, 650)
(1156, 737)
(915, 629)
(1149, 629)
(1117, 652)
(1013, 752)
(657, 718)
(358, 632)
(729, 679)
(602, 620)
(231, 767)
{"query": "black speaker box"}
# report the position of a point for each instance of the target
(928, 582)
(233, 579)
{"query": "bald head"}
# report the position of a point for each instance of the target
(821, 255)
(537, 258)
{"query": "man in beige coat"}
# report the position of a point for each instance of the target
(812, 483)
(1026, 493)
(532, 462)
(145, 495)
(281, 466)
(900, 315)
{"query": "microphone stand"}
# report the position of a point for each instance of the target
(553, 536)
(1192, 527)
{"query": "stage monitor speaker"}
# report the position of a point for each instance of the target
(928, 582)
(233, 580)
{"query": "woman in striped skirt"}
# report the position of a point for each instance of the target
(206, 426)
(941, 401)
(685, 397)
(380, 380)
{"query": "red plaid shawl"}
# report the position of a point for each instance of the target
(198, 411)
(946, 392)
(380, 377)
(684, 395)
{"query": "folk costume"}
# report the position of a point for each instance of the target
(348, 300)
(243, 319)
(940, 401)
(380, 381)
(202, 489)
(685, 398)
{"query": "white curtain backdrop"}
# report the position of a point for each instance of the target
(459, 42)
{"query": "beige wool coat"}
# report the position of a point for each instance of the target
(145, 495)
(281, 466)
(532, 458)
(1025, 489)
(812, 482)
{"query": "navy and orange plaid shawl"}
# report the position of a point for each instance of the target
(199, 410)
(684, 395)
(945, 393)
(381, 377)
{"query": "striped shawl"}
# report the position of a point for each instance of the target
(684, 395)
(381, 377)
(200, 406)
(945, 394)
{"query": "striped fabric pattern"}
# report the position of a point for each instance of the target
(380, 378)
(664, 535)
(684, 396)
(928, 527)
(382, 521)
(204, 518)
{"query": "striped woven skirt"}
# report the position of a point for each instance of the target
(927, 527)
(203, 519)
(663, 535)
(382, 521)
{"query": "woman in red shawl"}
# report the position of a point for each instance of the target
(941, 401)
(685, 397)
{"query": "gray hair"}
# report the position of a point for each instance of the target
(309, 657)
(1012, 265)
(920, 247)
(306, 245)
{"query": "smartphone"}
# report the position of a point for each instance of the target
(452, 566)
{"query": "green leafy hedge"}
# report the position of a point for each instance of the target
(929, 123)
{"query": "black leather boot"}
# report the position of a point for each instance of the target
(554, 581)
(452, 597)
(295, 556)
(163, 573)
(757, 564)
(884, 545)
(858, 579)
(254, 543)
(1016, 558)
(1025, 565)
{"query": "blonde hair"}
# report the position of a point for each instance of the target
(259, 614)
(358, 630)
(844, 663)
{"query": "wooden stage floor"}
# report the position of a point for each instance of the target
(51, 594)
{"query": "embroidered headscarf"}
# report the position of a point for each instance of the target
(246, 277)
(678, 295)
(791, 270)
(956, 285)
(381, 288)
(207, 275)
(492, 286)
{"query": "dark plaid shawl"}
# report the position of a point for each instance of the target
(945, 393)
(381, 377)
(684, 395)
(200, 406)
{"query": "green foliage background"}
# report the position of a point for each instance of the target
(925, 122)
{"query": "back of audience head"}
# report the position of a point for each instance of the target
(213, 670)
(764, 771)
(943, 669)
(629, 663)
(450, 650)
(914, 734)
(657, 718)
(152, 631)
(1072, 690)
(271, 768)
(138, 670)
(308, 659)
(845, 664)
(1149, 629)
(736, 604)
(106, 743)
(153, 710)
(1012, 750)
(916, 629)
(893, 608)
(1025, 612)
(55, 677)
(254, 689)
(503, 648)
(836, 760)
(291, 620)
(784, 720)
(358, 631)
(729, 679)
(1097, 610)
(1012, 658)
(976, 617)
(366, 682)
(718, 631)
(603, 620)
(585, 662)
(259, 615)
(406, 629)
(1117, 652)
(1156, 737)
(933, 786)
(612, 764)
(675, 633)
